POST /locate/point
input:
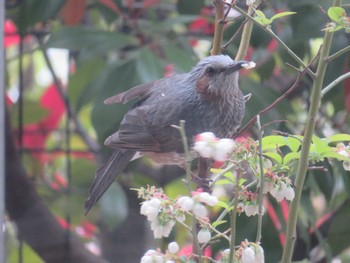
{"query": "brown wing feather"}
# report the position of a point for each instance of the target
(140, 91)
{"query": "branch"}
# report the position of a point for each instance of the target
(281, 98)
(334, 83)
(338, 54)
(219, 26)
(246, 35)
(273, 35)
(315, 101)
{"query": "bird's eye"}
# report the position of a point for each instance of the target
(210, 71)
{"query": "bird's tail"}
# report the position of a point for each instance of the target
(106, 175)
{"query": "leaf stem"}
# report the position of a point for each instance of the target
(262, 182)
(315, 100)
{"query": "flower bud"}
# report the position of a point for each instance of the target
(248, 255)
(173, 247)
(200, 211)
(203, 235)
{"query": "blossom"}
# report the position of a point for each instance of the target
(208, 146)
(200, 210)
(152, 256)
(173, 247)
(208, 199)
(251, 210)
(203, 235)
(248, 255)
(186, 203)
(253, 253)
(289, 193)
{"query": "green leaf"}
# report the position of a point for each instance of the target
(274, 156)
(336, 12)
(291, 157)
(114, 208)
(229, 175)
(319, 145)
(217, 223)
(223, 205)
(216, 170)
(33, 113)
(338, 138)
(88, 40)
(261, 18)
(279, 15)
(334, 155)
(241, 181)
(223, 182)
(148, 66)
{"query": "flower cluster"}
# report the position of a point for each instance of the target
(280, 187)
(155, 256)
(196, 203)
(248, 252)
(208, 146)
(163, 212)
(344, 151)
(160, 211)
(249, 204)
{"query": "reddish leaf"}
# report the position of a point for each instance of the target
(73, 12)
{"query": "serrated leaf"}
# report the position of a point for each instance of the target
(279, 15)
(319, 145)
(217, 223)
(336, 12)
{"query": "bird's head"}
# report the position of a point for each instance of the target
(217, 76)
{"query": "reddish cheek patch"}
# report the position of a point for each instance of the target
(202, 84)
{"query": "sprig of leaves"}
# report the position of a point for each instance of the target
(262, 19)
(339, 18)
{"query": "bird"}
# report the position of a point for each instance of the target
(207, 98)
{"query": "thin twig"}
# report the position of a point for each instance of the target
(335, 83)
(93, 145)
(273, 35)
(262, 182)
(338, 53)
(281, 98)
(233, 219)
(235, 34)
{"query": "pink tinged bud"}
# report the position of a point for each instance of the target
(344, 153)
(186, 203)
(203, 235)
(173, 247)
(205, 136)
(289, 193)
(200, 211)
(248, 255)
(203, 148)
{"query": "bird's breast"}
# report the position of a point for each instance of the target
(168, 158)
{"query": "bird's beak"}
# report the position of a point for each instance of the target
(237, 65)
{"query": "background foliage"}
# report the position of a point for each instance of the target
(114, 45)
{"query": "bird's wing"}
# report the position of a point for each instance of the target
(141, 91)
(148, 125)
